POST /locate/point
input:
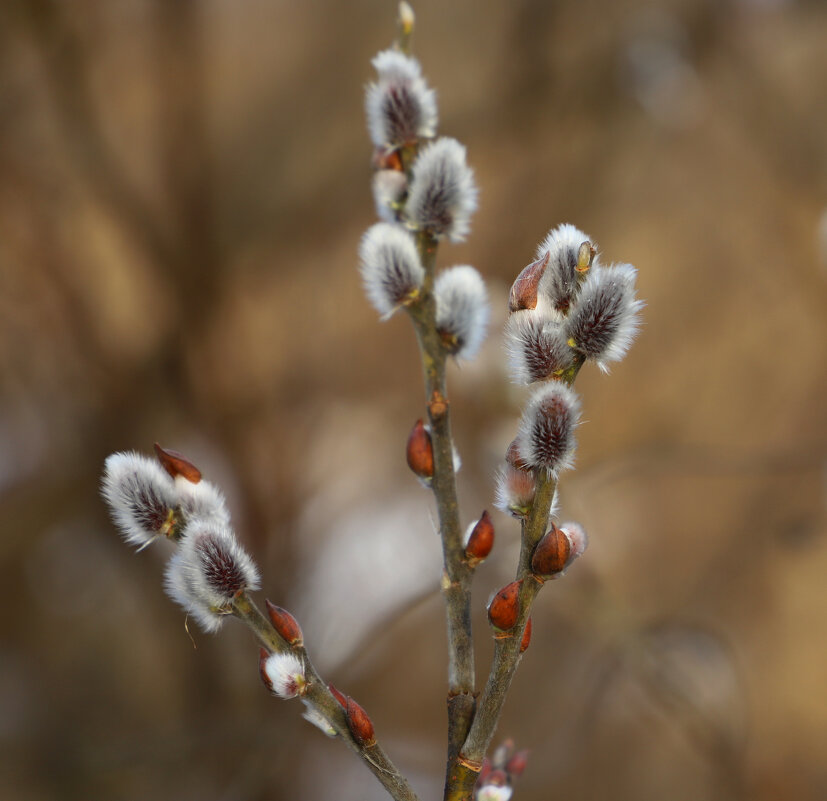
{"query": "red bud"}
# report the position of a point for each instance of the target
(516, 765)
(552, 553)
(385, 158)
(285, 624)
(420, 452)
(339, 696)
(177, 465)
(525, 642)
(523, 293)
(481, 540)
(359, 724)
(504, 608)
(263, 655)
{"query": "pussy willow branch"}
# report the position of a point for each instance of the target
(320, 697)
(456, 584)
(507, 647)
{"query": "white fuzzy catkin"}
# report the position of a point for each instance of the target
(286, 674)
(141, 497)
(391, 270)
(442, 195)
(546, 435)
(400, 107)
(202, 500)
(605, 318)
(462, 310)
(561, 281)
(208, 571)
(537, 347)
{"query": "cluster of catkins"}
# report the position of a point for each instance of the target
(565, 308)
(421, 185)
(168, 498)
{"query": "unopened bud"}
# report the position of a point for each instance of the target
(523, 293)
(420, 453)
(177, 465)
(552, 553)
(502, 753)
(526, 641)
(359, 724)
(504, 608)
(285, 624)
(479, 539)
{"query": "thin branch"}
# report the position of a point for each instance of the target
(320, 698)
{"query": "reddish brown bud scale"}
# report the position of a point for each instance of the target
(523, 293)
(526, 641)
(285, 624)
(481, 540)
(263, 655)
(552, 553)
(359, 724)
(513, 457)
(339, 696)
(177, 465)
(387, 159)
(420, 451)
(517, 764)
(504, 608)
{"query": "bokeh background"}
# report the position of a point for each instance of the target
(183, 185)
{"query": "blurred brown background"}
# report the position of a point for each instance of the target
(182, 189)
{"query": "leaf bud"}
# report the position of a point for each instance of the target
(285, 624)
(359, 724)
(420, 453)
(338, 695)
(551, 554)
(504, 608)
(479, 539)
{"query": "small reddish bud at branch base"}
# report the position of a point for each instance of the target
(552, 553)
(526, 641)
(359, 724)
(420, 452)
(176, 465)
(523, 293)
(339, 696)
(481, 539)
(285, 624)
(263, 655)
(504, 608)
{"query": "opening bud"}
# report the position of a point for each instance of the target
(479, 539)
(577, 537)
(359, 724)
(526, 641)
(551, 554)
(177, 465)
(420, 453)
(283, 674)
(312, 715)
(504, 608)
(515, 491)
(524, 290)
(285, 624)
(462, 310)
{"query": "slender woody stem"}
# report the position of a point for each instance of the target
(456, 581)
(506, 648)
(319, 696)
